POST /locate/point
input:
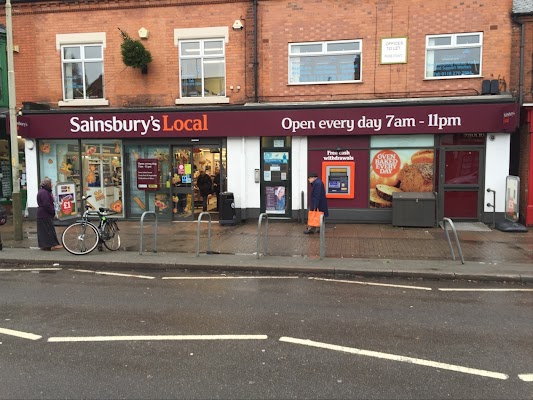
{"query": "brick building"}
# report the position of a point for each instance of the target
(377, 97)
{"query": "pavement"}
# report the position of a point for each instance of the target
(371, 250)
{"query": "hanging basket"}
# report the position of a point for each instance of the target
(134, 54)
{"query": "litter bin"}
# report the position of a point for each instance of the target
(413, 209)
(226, 209)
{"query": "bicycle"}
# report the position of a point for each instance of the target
(84, 236)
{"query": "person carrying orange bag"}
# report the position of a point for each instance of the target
(318, 203)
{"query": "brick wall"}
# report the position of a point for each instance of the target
(38, 67)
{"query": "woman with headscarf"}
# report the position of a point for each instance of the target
(46, 231)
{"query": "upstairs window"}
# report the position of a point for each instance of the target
(325, 62)
(202, 68)
(454, 55)
(83, 71)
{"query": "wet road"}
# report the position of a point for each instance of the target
(76, 334)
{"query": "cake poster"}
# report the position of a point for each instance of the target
(402, 170)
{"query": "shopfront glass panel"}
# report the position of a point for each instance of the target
(462, 167)
(102, 174)
(157, 198)
(182, 183)
(60, 161)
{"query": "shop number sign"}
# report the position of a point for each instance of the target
(147, 174)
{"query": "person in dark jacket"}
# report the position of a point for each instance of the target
(46, 232)
(317, 198)
(205, 186)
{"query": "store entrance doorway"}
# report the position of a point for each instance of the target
(461, 183)
(195, 182)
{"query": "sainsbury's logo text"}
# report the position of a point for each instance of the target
(141, 126)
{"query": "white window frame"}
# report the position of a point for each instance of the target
(202, 34)
(74, 39)
(454, 46)
(325, 52)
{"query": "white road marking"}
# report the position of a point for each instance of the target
(394, 357)
(113, 274)
(19, 334)
(373, 284)
(228, 277)
(483, 290)
(29, 269)
(156, 337)
(526, 377)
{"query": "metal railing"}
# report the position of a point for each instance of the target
(322, 237)
(449, 221)
(493, 205)
(265, 245)
(142, 228)
(208, 251)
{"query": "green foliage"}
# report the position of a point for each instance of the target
(134, 54)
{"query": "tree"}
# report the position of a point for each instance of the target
(134, 54)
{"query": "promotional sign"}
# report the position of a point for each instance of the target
(66, 199)
(394, 50)
(512, 194)
(147, 174)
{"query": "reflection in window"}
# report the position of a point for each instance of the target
(202, 68)
(455, 55)
(83, 71)
(325, 62)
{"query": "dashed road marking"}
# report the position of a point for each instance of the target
(155, 337)
(227, 277)
(373, 284)
(24, 335)
(484, 290)
(526, 377)
(113, 274)
(28, 269)
(394, 357)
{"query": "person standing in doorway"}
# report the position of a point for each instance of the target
(216, 186)
(205, 186)
(46, 231)
(317, 199)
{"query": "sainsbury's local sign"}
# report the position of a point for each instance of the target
(252, 121)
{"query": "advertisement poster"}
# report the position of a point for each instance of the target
(512, 193)
(147, 173)
(275, 199)
(402, 170)
(275, 165)
(66, 199)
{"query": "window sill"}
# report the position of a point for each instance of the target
(83, 103)
(203, 100)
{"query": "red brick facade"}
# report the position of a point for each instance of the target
(38, 69)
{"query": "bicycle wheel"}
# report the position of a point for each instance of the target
(80, 238)
(111, 236)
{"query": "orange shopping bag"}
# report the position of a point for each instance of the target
(313, 218)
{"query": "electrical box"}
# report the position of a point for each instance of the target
(413, 209)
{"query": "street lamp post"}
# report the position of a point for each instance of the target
(15, 196)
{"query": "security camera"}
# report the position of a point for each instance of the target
(237, 25)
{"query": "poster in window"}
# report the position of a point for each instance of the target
(275, 199)
(399, 170)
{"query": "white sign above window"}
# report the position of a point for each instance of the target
(394, 50)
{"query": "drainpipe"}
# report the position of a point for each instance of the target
(256, 62)
(517, 21)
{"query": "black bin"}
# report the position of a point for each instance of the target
(226, 209)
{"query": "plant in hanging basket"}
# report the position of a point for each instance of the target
(134, 54)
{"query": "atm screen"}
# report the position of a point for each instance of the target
(334, 184)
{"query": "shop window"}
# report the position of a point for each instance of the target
(60, 161)
(325, 62)
(82, 65)
(454, 55)
(102, 174)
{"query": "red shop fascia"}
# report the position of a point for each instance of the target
(270, 121)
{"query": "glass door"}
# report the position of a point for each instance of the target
(181, 183)
(461, 183)
(275, 177)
